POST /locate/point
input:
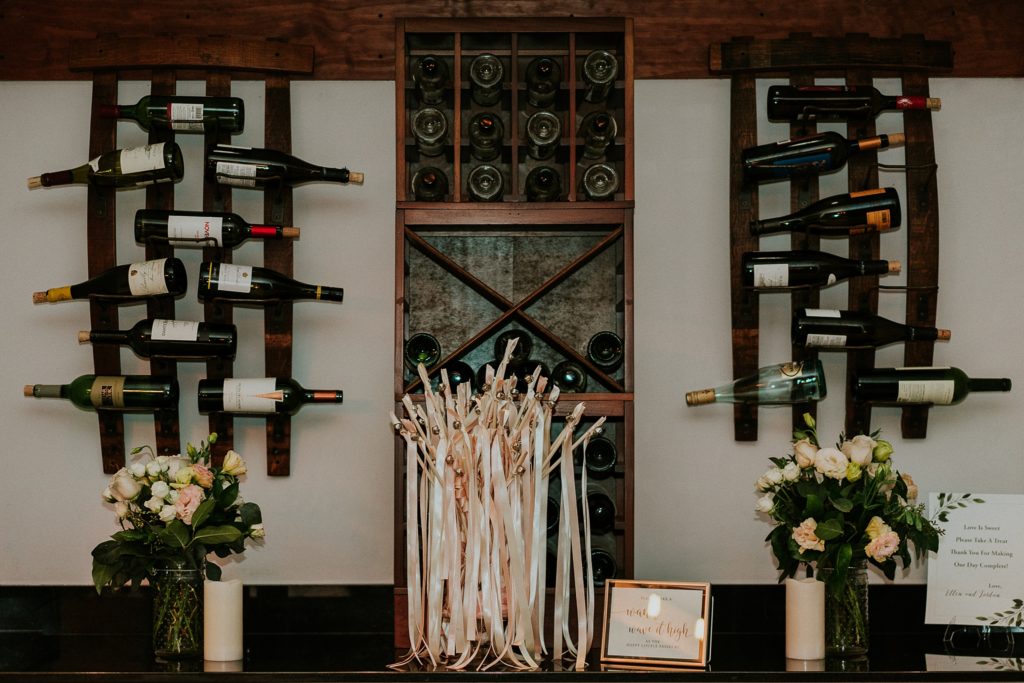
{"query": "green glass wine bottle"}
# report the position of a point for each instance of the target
(181, 113)
(122, 168)
(260, 395)
(159, 277)
(178, 339)
(202, 228)
(231, 282)
(117, 392)
(920, 386)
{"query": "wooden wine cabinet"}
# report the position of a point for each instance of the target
(466, 271)
(165, 60)
(857, 59)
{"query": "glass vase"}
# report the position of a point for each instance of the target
(177, 611)
(846, 612)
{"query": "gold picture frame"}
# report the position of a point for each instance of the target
(656, 624)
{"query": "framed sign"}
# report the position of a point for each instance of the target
(649, 623)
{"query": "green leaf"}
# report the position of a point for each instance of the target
(217, 534)
(101, 575)
(814, 506)
(842, 504)
(229, 496)
(250, 514)
(213, 571)
(829, 529)
(175, 534)
(202, 512)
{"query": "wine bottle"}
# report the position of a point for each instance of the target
(481, 374)
(837, 102)
(122, 168)
(600, 509)
(259, 168)
(429, 127)
(181, 113)
(485, 184)
(599, 71)
(796, 382)
(485, 136)
(259, 395)
(598, 131)
(600, 182)
(429, 184)
(569, 376)
(179, 339)
(543, 75)
(230, 282)
(459, 373)
(823, 328)
(601, 456)
(113, 392)
(202, 228)
(543, 131)
(804, 268)
(919, 386)
(854, 213)
(158, 277)
(430, 76)
(543, 184)
(820, 153)
(605, 350)
(526, 372)
(602, 558)
(422, 347)
(485, 74)
(522, 350)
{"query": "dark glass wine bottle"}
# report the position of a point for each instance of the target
(543, 76)
(605, 350)
(919, 386)
(430, 184)
(485, 136)
(260, 395)
(485, 74)
(543, 131)
(796, 382)
(122, 168)
(837, 102)
(230, 282)
(181, 113)
(527, 372)
(178, 339)
(599, 71)
(485, 184)
(854, 213)
(600, 182)
(602, 558)
(481, 374)
(113, 392)
(202, 228)
(600, 509)
(259, 168)
(429, 129)
(543, 184)
(824, 328)
(430, 76)
(422, 347)
(459, 373)
(766, 270)
(601, 456)
(158, 277)
(598, 131)
(570, 376)
(811, 155)
(522, 350)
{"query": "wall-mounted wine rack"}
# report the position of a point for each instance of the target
(856, 58)
(561, 270)
(166, 59)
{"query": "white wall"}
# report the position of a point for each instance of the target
(331, 520)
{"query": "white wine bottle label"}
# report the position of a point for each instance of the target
(192, 228)
(141, 159)
(239, 175)
(823, 313)
(771, 275)
(147, 278)
(107, 392)
(937, 391)
(826, 341)
(185, 117)
(174, 330)
(232, 278)
(250, 395)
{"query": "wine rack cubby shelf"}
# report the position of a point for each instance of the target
(165, 60)
(561, 271)
(857, 59)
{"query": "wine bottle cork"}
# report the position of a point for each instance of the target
(933, 103)
(943, 335)
(701, 397)
(289, 232)
(895, 267)
(35, 182)
(83, 336)
(896, 139)
(39, 297)
(355, 177)
(30, 390)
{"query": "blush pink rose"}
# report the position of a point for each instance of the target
(189, 499)
(202, 475)
(882, 548)
(806, 538)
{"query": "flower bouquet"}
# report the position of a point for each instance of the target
(837, 508)
(173, 512)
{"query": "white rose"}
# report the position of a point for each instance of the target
(791, 472)
(859, 449)
(121, 508)
(168, 513)
(137, 469)
(765, 503)
(762, 483)
(123, 485)
(154, 504)
(174, 464)
(153, 468)
(831, 462)
(183, 475)
(257, 531)
(160, 489)
(233, 464)
(774, 475)
(804, 451)
(108, 496)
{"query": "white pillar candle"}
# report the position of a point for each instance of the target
(805, 619)
(222, 620)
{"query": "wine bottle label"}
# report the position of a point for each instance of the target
(147, 278)
(184, 116)
(107, 392)
(826, 341)
(771, 275)
(141, 159)
(879, 221)
(832, 279)
(175, 330)
(239, 175)
(937, 391)
(257, 395)
(192, 228)
(232, 278)
(823, 313)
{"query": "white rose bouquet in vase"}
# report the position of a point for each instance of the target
(174, 511)
(838, 509)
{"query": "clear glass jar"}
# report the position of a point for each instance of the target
(846, 612)
(177, 611)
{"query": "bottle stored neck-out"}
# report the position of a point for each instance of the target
(241, 283)
(920, 385)
(178, 339)
(202, 228)
(767, 270)
(182, 113)
(854, 213)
